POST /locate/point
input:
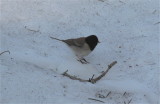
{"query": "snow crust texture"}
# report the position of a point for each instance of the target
(129, 34)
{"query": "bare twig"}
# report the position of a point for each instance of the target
(108, 94)
(91, 80)
(104, 73)
(4, 52)
(129, 101)
(154, 11)
(101, 0)
(121, 2)
(31, 30)
(156, 23)
(74, 77)
(124, 93)
(96, 100)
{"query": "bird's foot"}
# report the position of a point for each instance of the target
(83, 61)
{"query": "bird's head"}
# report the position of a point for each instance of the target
(92, 41)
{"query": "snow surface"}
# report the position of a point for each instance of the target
(31, 73)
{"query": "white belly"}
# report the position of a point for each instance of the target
(81, 51)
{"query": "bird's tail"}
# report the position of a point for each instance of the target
(56, 39)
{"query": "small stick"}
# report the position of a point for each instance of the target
(96, 100)
(124, 94)
(154, 12)
(92, 80)
(104, 73)
(129, 101)
(4, 52)
(156, 23)
(73, 77)
(101, 0)
(108, 94)
(31, 29)
(121, 2)
(92, 76)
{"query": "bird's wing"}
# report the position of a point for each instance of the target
(75, 42)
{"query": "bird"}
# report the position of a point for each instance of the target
(81, 46)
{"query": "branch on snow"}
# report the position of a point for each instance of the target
(91, 80)
(96, 100)
(4, 52)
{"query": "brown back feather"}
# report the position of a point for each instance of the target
(77, 42)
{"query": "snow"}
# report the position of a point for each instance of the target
(127, 29)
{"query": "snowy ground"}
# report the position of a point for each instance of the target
(31, 73)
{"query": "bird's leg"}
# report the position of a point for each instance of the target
(83, 61)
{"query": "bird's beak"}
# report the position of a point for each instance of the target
(99, 42)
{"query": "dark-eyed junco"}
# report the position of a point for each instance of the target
(81, 46)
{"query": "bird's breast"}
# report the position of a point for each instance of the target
(81, 51)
